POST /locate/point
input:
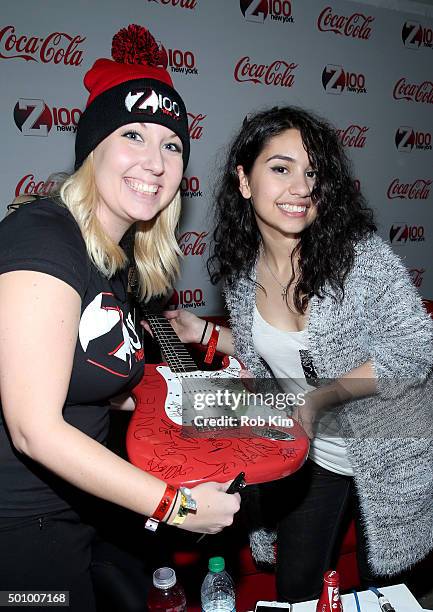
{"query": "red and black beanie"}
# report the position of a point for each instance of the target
(132, 87)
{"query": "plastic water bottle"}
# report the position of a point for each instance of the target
(166, 594)
(217, 590)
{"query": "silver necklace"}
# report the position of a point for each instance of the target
(283, 287)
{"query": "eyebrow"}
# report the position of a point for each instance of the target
(283, 157)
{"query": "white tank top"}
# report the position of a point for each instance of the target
(286, 354)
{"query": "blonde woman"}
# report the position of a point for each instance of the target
(69, 343)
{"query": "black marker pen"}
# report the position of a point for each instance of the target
(235, 487)
(237, 484)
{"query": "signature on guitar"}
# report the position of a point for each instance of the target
(164, 438)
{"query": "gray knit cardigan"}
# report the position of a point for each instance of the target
(389, 437)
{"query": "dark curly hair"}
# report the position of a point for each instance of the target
(327, 247)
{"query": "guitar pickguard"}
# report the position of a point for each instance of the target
(182, 387)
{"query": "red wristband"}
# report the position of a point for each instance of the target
(162, 508)
(212, 344)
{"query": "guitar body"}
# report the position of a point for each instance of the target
(159, 444)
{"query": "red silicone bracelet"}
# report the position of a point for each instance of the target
(212, 344)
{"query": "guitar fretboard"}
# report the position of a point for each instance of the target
(173, 350)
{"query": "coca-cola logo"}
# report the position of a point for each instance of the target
(336, 80)
(406, 138)
(57, 47)
(193, 243)
(188, 298)
(33, 117)
(356, 25)
(418, 190)
(278, 73)
(413, 92)
(190, 187)
(401, 233)
(258, 10)
(414, 35)
(353, 136)
(28, 185)
(417, 276)
(195, 126)
(178, 60)
(185, 4)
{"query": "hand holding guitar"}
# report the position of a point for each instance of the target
(191, 328)
(188, 326)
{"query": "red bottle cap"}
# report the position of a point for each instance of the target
(332, 578)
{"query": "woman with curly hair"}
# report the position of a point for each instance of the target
(318, 301)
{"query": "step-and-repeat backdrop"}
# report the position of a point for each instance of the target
(366, 68)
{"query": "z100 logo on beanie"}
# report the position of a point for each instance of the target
(33, 117)
(414, 35)
(406, 138)
(258, 10)
(336, 80)
(148, 101)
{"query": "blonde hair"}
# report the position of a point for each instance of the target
(156, 251)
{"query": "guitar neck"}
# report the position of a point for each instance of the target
(173, 350)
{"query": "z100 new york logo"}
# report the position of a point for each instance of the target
(178, 60)
(190, 187)
(406, 139)
(187, 298)
(34, 117)
(336, 80)
(259, 10)
(414, 35)
(401, 233)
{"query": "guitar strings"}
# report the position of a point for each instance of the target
(178, 358)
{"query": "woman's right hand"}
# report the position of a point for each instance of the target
(187, 325)
(215, 508)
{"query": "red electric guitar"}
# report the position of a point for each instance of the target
(190, 451)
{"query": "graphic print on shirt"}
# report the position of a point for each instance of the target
(308, 368)
(104, 330)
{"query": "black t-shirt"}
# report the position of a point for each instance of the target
(43, 236)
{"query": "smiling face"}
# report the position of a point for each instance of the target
(280, 185)
(138, 169)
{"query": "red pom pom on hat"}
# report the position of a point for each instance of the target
(132, 87)
(136, 55)
(135, 45)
